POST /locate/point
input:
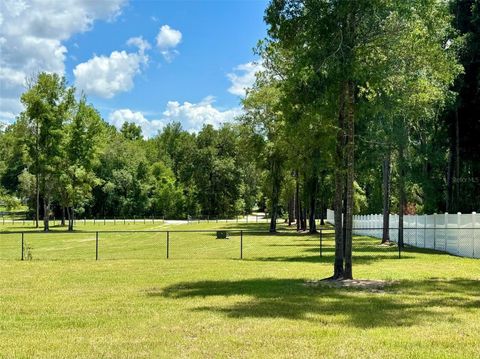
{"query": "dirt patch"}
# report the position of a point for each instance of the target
(377, 286)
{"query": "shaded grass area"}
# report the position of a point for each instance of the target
(133, 303)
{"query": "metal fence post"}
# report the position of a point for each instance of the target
(241, 244)
(168, 244)
(96, 246)
(23, 247)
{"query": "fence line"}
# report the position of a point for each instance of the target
(229, 243)
(9, 219)
(457, 234)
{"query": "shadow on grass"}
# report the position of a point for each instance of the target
(405, 303)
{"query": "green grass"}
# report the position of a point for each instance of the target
(205, 302)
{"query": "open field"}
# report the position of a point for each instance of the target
(205, 302)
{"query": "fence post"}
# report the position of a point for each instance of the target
(168, 244)
(23, 247)
(446, 231)
(459, 221)
(474, 222)
(96, 245)
(241, 244)
(434, 231)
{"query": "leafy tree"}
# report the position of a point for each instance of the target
(48, 104)
(131, 131)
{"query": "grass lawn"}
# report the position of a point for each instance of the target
(205, 302)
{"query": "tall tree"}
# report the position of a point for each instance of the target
(48, 103)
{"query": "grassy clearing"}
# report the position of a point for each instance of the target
(202, 302)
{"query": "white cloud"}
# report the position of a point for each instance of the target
(243, 77)
(194, 115)
(31, 36)
(140, 43)
(106, 76)
(149, 127)
(167, 40)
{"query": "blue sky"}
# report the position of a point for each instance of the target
(149, 62)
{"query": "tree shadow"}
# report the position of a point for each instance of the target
(405, 303)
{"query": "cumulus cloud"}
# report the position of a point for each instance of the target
(149, 127)
(139, 42)
(194, 115)
(167, 40)
(243, 77)
(31, 36)
(106, 76)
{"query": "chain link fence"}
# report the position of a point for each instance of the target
(246, 244)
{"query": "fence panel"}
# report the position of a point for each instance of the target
(457, 234)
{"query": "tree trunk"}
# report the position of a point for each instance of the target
(386, 198)
(37, 199)
(304, 218)
(46, 213)
(401, 190)
(350, 153)
(276, 181)
(457, 181)
(322, 213)
(297, 201)
(449, 195)
(70, 218)
(291, 209)
(338, 269)
(313, 201)
(63, 216)
(273, 218)
(37, 179)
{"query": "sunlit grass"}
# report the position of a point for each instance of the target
(205, 302)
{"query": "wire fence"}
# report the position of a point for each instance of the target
(285, 245)
(9, 219)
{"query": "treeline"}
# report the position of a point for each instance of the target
(63, 159)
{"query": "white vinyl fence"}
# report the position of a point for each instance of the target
(457, 234)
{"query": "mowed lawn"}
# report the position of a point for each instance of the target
(205, 302)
